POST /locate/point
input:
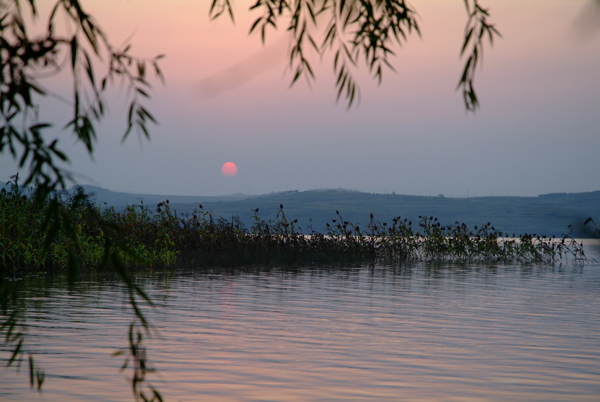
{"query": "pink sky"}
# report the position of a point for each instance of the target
(536, 132)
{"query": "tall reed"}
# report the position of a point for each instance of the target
(159, 237)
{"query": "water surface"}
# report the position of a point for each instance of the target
(424, 332)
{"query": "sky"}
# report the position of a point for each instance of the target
(227, 98)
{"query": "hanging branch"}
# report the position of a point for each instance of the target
(356, 32)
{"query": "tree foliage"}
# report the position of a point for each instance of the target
(359, 31)
(68, 44)
(70, 41)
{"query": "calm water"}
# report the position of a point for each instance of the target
(419, 333)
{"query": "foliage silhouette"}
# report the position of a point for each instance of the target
(144, 238)
(359, 31)
(70, 41)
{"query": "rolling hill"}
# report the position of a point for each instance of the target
(548, 214)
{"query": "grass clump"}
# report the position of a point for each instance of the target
(55, 234)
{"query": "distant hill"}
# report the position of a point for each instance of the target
(118, 199)
(548, 214)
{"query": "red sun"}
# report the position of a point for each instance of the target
(229, 169)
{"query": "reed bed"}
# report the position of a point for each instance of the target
(52, 234)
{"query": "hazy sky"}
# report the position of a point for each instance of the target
(538, 129)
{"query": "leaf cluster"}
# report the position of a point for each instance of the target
(356, 32)
(27, 60)
(476, 30)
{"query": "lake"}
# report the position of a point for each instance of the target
(420, 332)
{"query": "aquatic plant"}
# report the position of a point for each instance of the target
(160, 238)
(595, 229)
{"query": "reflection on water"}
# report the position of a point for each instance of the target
(424, 332)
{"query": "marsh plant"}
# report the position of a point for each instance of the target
(590, 224)
(144, 237)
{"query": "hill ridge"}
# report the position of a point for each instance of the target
(545, 214)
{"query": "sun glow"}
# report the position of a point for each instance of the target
(229, 169)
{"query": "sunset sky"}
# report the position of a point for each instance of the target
(227, 99)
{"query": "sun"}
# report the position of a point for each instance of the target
(229, 169)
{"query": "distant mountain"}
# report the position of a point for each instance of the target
(118, 199)
(547, 214)
(550, 214)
